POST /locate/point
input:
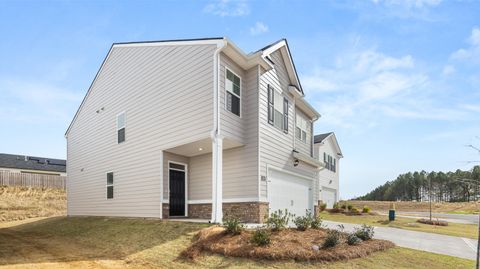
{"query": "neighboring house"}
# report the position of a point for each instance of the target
(327, 149)
(32, 165)
(193, 128)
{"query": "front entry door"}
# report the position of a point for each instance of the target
(177, 193)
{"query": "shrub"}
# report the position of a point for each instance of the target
(336, 206)
(366, 209)
(233, 225)
(353, 239)
(261, 237)
(349, 207)
(322, 207)
(433, 222)
(316, 223)
(344, 206)
(279, 219)
(332, 239)
(365, 232)
(354, 210)
(304, 222)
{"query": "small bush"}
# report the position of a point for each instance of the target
(303, 223)
(279, 219)
(332, 239)
(353, 239)
(344, 206)
(354, 210)
(349, 207)
(433, 222)
(365, 233)
(316, 223)
(233, 225)
(336, 206)
(322, 207)
(261, 237)
(366, 209)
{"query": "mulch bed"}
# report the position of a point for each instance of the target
(289, 244)
(433, 222)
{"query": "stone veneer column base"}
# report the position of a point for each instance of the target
(250, 212)
(165, 210)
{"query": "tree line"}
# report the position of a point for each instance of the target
(458, 186)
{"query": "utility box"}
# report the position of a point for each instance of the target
(391, 212)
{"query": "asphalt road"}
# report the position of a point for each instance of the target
(457, 218)
(436, 243)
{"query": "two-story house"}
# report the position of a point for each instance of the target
(326, 148)
(193, 128)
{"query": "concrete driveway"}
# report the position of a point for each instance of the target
(436, 243)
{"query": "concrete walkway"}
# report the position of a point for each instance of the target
(436, 243)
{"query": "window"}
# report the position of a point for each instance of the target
(277, 109)
(301, 128)
(330, 162)
(110, 185)
(121, 121)
(233, 93)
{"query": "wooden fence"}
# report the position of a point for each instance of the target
(32, 180)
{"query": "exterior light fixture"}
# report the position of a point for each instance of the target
(295, 162)
(200, 149)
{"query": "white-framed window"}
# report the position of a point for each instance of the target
(121, 123)
(233, 99)
(110, 185)
(301, 128)
(330, 162)
(277, 109)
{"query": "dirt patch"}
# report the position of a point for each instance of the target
(289, 244)
(18, 203)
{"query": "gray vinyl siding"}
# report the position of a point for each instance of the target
(149, 83)
(200, 178)
(274, 145)
(300, 146)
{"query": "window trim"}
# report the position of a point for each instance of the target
(124, 126)
(225, 88)
(186, 182)
(299, 127)
(110, 185)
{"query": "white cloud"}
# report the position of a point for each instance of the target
(471, 53)
(259, 28)
(366, 87)
(228, 8)
(448, 70)
(409, 3)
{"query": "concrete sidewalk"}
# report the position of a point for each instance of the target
(435, 243)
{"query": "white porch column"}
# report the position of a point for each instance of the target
(217, 180)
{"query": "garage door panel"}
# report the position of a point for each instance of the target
(286, 191)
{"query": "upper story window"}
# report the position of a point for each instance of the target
(277, 109)
(233, 93)
(330, 162)
(301, 128)
(121, 122)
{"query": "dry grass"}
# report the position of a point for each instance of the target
(95, 242)
(454, 229)
(460, 207)
(288, 244)
(17, 203)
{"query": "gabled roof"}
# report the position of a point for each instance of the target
(32, 163)
(259, 57)
(322, 138)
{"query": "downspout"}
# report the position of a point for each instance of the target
(215, 134)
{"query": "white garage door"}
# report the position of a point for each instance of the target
(287, 191)
(329, 197)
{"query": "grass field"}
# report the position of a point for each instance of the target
(95, 242)
(454, 229)
(453, 208)
(17, 203)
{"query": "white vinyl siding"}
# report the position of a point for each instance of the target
(275, 149)
(150, 83)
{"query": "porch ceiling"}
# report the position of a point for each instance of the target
(203, 146)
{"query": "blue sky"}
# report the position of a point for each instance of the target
(398, 81)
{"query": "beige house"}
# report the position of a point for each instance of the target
(193, 128)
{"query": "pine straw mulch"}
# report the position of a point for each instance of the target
(289, 244)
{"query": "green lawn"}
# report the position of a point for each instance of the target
(454, 229)
(64, 242)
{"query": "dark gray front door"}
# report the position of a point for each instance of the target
(177, 193)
